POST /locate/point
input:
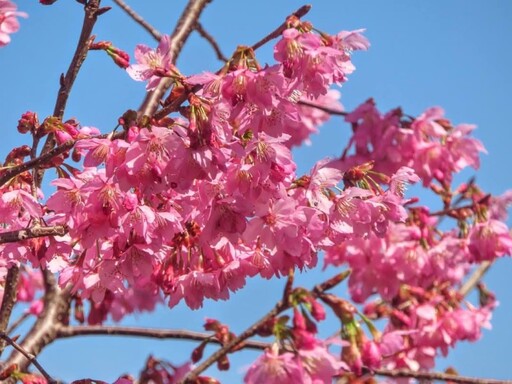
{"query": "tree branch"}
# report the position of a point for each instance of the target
(8, 173)
(91, 14)
(68, 331)
(44, 331)
(204, 34)
(30, 357)
(473, 280)
(280, 306)
(181, 33)
(17, 323)
(302, 11)
(328, 110)
(30, 233)
(435, 376)
(8, 300)
(139, 19)
(92, 10)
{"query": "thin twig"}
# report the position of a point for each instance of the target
(69, 331)
(473, 280)
(302, 11)
(184, 27)
(8, 173)
(30, 233)
(8, 300)
(30, 357)
(139, 20)
(249, 332)
(17, 323)
(328, 110)
(204, 34)
(280, 306)
(172, 107)
(92, 9)
(435, 376)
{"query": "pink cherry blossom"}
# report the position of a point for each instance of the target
(275, 368)
(152, 64)
(8, 21)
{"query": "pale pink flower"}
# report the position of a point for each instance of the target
(489, 240)
(152, 64)
(8, 21)
(275, 368)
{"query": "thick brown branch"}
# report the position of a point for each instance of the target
(30, 233)
(68, 331)
(30, 357)
(44, 331)
(185, 26)
(436, 376)
(139, 19)
(302, 11)
(8, 173)
(8, 300)
(209, 38)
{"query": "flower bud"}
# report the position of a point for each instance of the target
(28, 122)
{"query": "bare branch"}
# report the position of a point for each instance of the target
(302, 11)
(30, 357)
(17, 323)
(8, 300)
(199, 28)
(30, 233)
(90, 17)
(68, 331)
(139, 19)
(435, 376)
(181, 33)
(92, 10)
(473, 280)
(328, 110)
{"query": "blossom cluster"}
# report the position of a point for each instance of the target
(188, 206)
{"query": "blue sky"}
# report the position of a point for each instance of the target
(454, 54)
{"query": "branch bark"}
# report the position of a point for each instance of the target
(92, 9)
(139, 19)
(44, 331)
(28, 356)
(209, 38)
(30, 233)
(396, 373)
(8, 301)
(68, 331)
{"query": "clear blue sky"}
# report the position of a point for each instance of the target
(455, 54)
